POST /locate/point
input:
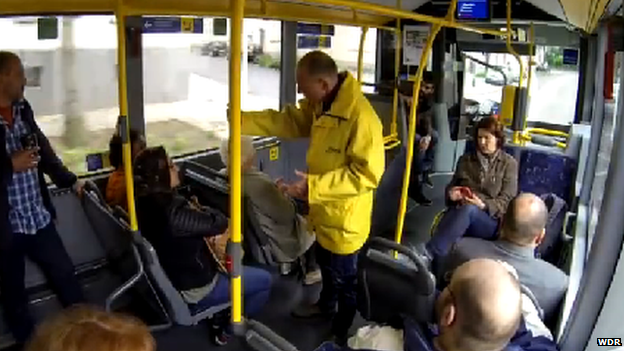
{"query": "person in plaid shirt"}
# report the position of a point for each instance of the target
(27, 216)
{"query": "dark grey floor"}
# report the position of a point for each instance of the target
(287, 293)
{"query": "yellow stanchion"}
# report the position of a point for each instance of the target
(123, 124)
(235, 249)
(412, 122)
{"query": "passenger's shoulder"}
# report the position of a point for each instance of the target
(507, 158)
(556, 274)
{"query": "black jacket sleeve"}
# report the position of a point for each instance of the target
(50, 164)
(188, 222)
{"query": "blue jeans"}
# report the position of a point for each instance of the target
(256, 288)
(339, 287)
(464, 220)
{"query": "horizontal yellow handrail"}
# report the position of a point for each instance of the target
(559, 144)
(392, 145)
(402, 14)
(544, 131)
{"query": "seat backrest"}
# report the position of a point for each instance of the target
(215, 193)
(113, 235)
(175, 305)
(390, 289)
(542, 171)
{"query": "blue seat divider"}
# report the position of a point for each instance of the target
(542, 171)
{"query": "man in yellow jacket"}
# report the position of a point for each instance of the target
(345, 164)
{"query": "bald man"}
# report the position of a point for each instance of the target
(480, 309)
(523, 229)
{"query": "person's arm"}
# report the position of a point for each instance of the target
(362, 174)
(291, 122)
(459, 174)
(272, 201)
(188, 222)
(49, 163)
(497, 206)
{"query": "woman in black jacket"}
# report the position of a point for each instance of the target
(176, 228)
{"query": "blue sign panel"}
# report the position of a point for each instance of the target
(313, 42)
(473, 10)
(570, 57)
(173, 25)
(315, 29)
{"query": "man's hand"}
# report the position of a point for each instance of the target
(78, 187)
(299, 189)
(281, 185)
(475, 200)
(24, 160)
(424, 143)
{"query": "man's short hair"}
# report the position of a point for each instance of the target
(428, 77)
(525, 219)
(247, 149)
(483, 326)
(6, 58)
(318, 63)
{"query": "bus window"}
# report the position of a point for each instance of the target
(185, 79)
(73, 81)
(344, 46)
(604, 151)
(554, 83)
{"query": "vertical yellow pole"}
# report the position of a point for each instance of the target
(236, 42)
(531, 48)
(412, 122)
(517, 135)
(124, 124)
(360, 67)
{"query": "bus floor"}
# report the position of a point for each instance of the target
(288, 292)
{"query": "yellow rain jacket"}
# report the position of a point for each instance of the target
(346, 160)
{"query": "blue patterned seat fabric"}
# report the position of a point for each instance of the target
(542, 171)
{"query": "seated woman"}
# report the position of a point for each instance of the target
(177, 229)
(116, 185)
(276, 212)
(484, 183)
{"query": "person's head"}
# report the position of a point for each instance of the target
(12, 77)
(89, 329)
(155, 172)
(489, 135)
(480, 310)
(115, 147)
(427, 85)
(248, 152)
(317, 76)
(525, 221)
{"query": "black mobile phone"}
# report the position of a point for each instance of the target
(30, 141)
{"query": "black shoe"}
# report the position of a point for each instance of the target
(422, 200)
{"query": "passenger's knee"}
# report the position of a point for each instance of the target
(470, 209)
(258, 279)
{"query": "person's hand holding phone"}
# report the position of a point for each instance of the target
(424, 143)
(474, 200)
(24, 160)
(455, 193)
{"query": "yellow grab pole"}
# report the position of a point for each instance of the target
(396, 13)
(360, 67)
(412, 121)
(236, 42)
(397, 68)
(124, 125)
(530, 78)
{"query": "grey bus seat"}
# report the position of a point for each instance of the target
(116, 238)
(178, 309)
(390, 289)
(216, 193)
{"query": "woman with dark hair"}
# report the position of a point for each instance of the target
(116, 185)
(484, 183)
(177, 229)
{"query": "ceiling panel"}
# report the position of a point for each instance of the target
(552, 7)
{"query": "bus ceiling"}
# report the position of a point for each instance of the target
(582, 14)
